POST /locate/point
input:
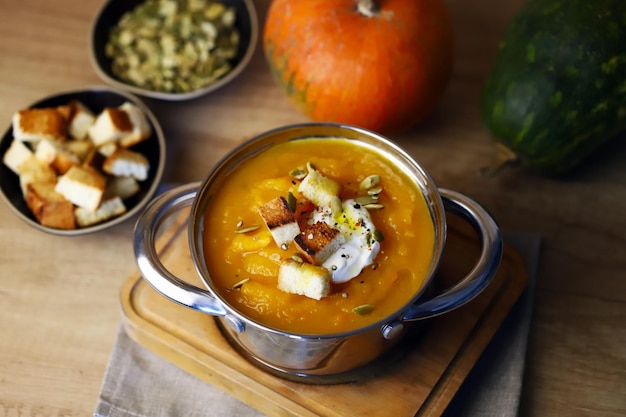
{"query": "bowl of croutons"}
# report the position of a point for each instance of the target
(81, 161)
(172, 49)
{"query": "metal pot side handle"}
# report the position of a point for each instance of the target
(483, 271)
(152, 269)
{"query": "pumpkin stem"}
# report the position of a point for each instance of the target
(504, 157)
(368, 8)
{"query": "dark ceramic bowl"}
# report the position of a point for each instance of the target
(96, 99)
(112, 11)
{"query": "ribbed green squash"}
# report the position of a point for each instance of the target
(557, 88)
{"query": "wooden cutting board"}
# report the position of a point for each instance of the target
(426, 374)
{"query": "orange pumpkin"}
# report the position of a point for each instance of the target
(378, 64)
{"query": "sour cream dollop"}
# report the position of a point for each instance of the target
(360, 247)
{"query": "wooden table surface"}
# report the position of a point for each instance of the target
(59, 297)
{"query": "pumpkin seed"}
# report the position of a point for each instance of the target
(298, 173)
(363, 309)
(369, 182)
(310, 167)
(375, 191)
(174, 46)
(365, 199)
(378, 235)
(374, 206)
(297, 258)
(239, 284)
(291, 201)
(247, 229)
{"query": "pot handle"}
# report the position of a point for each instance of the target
(146, 230)
(483, 271)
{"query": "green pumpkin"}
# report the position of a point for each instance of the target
(557, 89)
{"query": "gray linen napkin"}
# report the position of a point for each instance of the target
(494, 386)
(138, 383)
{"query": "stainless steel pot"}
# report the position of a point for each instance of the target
(318, 358)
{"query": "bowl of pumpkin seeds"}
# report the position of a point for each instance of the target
(173, 49)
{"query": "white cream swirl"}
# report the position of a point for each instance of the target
(360, 247)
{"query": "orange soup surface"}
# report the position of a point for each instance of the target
(244, 260)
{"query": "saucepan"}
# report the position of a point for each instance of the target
(271, 326)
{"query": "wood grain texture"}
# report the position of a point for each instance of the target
(59, 305)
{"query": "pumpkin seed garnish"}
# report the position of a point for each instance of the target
(247, 229)
(298, 173)
(291, 201)
(369, 182)
(378, 235)
(363, 309)
(374, 206)
(310, 167)
(239, 284)
(365, 199)
(297, 258)
(375, 192)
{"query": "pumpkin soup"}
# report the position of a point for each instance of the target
(318, 236)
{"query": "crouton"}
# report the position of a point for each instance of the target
(94, 160)
(46, 151)
(33, 125)
(80, 120)
(280, 220)
(50, 208)
(141, 128)
(304, 279)
(16, 155)
(319, 189)
(318, 241)
(110, 125)
(108, 209)
(64, 161)
(82, 186)
(79, 148)
(32, 170)
(51, 152)
(108, 148)
(65, 110)
(128, 163)
(124, 187)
